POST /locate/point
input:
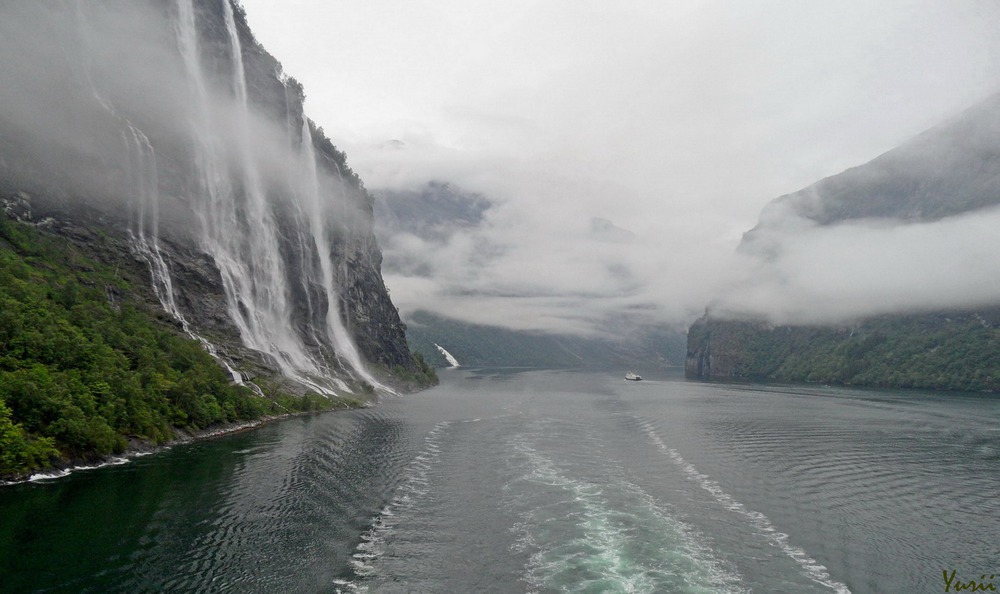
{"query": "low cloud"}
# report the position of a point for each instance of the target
(674, 122)
(807, 273)
(79, 79)
(561, 276)
(569, 273)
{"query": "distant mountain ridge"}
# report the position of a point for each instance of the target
(950, 169)
(478, 345)
(430, 212)
(434, 213)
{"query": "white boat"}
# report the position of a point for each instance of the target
(633, 377)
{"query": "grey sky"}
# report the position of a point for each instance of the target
(677, 121)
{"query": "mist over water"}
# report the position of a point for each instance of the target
(540, 482)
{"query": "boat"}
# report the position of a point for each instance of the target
(633, 377)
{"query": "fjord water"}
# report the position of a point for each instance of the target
(540, 482)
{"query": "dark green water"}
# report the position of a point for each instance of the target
(540, 482)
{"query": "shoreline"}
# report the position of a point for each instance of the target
(139, 449)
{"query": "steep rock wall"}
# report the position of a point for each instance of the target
(165, 123)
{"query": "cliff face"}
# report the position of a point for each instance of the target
(950, 170)
(164, 123)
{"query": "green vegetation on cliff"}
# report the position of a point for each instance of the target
(953, 351)
(86, 365)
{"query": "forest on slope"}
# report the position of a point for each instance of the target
(941, 351)
(89, 363)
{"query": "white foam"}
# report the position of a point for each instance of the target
(344, 586)
(811, 568)
(55, 474)
(604, 537)
(415, 486)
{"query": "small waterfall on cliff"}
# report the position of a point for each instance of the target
(143, 183)
(144, 228)
(143, 191)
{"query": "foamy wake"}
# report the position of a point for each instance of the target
(415, 486)
(586, 537)
(811, 568)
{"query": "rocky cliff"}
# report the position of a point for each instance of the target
(164, 124)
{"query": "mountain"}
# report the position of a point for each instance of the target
(476, 345)
(949, 171)
(431, 212)
(956, 350)
(437, 212)
(160, 134)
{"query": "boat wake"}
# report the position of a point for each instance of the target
(581, 536)
(811, 568)
(414, 489)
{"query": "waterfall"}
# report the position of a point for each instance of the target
(305, 243)
(257, 269)
(226, 233)
(144, 228)
(237, 206)
(144, 235)
(334, 325)
(144, 199)
(144, 192)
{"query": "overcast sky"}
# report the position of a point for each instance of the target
(677, 121)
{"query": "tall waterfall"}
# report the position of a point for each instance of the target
(144, 233)
(143, 190)
(238, 208)
(314, 209)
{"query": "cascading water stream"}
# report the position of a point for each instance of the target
(237, 215)
(144, 183)
(222, 235)
(144, 235)
(303, 236)
(268, 311)
(334, 325)
(144, 229)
